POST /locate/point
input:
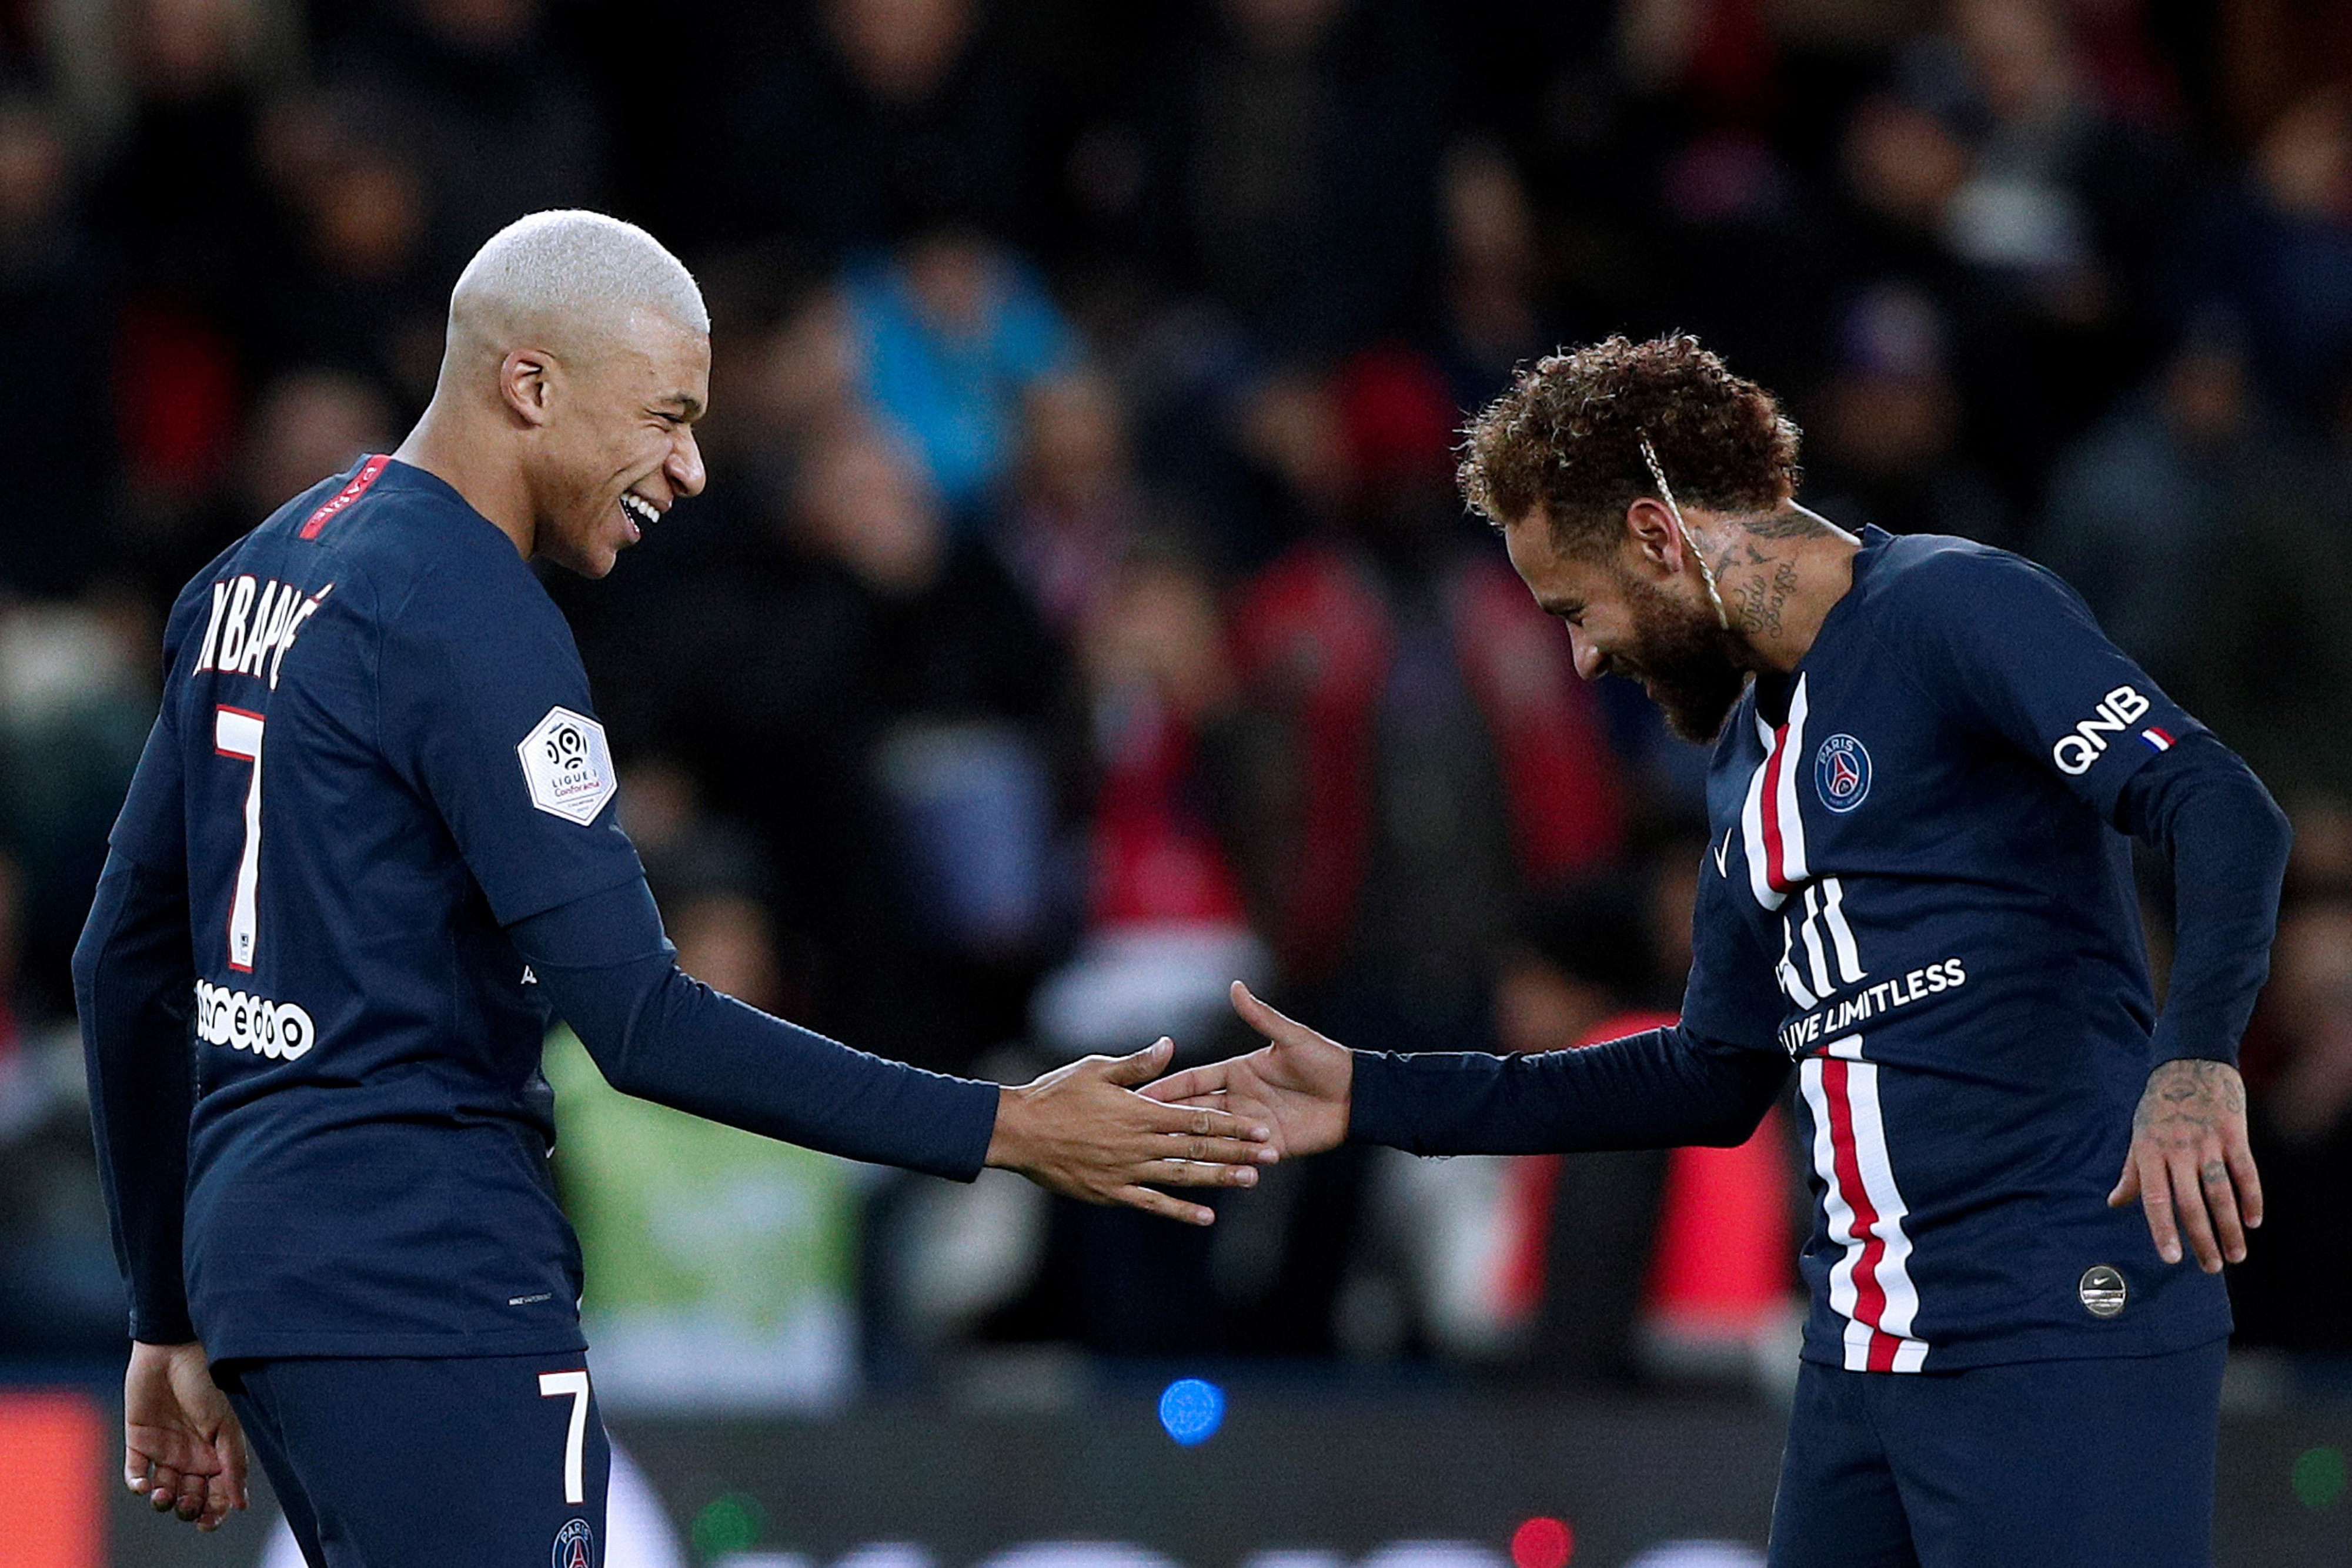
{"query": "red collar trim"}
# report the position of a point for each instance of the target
(369, 473)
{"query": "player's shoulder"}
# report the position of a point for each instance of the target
(1944, 572)
(424, 555)
(1964, 620)
(258, 552)
(1938, 589)
(378, 520)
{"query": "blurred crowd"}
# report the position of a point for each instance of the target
(1080, 615)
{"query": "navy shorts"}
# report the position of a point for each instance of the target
(388, 1463)
(2103, 1463)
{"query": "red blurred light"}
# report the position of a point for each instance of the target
(1542, 1544)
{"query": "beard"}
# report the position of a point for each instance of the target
(1690, 666)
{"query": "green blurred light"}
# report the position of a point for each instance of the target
(2318, 1478)
(733, 1522)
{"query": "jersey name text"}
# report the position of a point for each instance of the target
(252, 625)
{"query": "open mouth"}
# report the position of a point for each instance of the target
(640, 514)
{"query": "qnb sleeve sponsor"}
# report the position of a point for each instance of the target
(2006, 646)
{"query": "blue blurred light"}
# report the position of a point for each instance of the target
(1191, 1410)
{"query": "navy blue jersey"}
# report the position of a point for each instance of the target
(376, 751)
(1915, 891)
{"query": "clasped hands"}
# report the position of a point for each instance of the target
(1102, 1128)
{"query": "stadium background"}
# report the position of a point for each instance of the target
(1079, 615)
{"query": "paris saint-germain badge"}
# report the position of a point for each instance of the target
(576, 1545)
(1842, 773)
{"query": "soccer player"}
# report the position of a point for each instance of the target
(369, 846)
(1918, 896)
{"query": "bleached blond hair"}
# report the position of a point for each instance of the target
(571, 276)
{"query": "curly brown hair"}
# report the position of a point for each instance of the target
(1569, 432)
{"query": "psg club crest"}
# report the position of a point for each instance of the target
(1842, 773)
(573, 1545)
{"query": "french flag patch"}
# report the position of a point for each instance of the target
(2157, 738)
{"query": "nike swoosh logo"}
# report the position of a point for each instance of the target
(1722, 852)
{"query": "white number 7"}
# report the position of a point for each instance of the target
(236, 733)
(575, 1384)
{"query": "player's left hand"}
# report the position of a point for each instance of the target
(1083, 1132)
(182, 1446)
(2191, 1165)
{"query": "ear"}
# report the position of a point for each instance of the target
(1651, 535)
(527, 384)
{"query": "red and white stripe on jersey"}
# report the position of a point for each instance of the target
(1870, 1286)
(2158, 739)
(1770, 823)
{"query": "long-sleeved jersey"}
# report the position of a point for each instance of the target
(1915, 893)
(370, 841)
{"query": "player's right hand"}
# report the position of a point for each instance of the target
(182, 1446)
(1301, 1084)
(1083, 1131)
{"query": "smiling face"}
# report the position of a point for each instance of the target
(616, 447)
(1636, 611)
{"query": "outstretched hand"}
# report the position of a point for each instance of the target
(1297, 1084)
(1083, 1131)
(2191, 1165)
(181, 1447)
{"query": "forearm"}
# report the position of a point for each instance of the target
(1656, 1090)
(2228, 843)
(660, 1035)
(132, 977)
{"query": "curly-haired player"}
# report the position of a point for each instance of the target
(1918, 897)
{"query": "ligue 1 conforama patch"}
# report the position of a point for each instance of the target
(575, 1546)
(1842, 773)
(568, 766)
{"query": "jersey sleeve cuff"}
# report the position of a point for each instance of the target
(161, 1325)
(2189, 1041)
(973, 1121)
(1379, 1109)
